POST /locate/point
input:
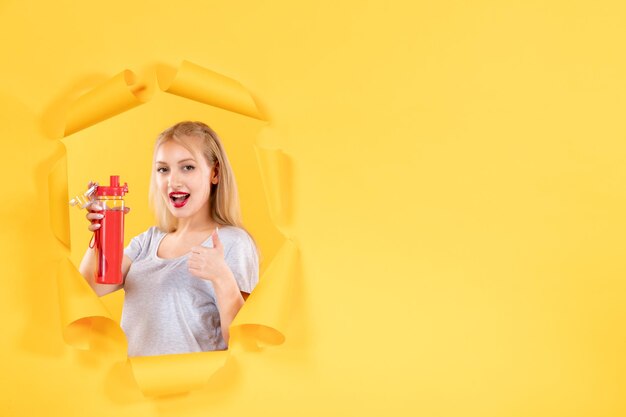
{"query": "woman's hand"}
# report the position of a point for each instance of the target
(94, 214)
(209, 263)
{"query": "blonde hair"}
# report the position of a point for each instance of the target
(223, 200)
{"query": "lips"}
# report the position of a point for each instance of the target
(179, 199)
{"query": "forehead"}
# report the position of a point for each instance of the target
(173, 150)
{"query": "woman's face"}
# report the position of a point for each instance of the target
(184, 178)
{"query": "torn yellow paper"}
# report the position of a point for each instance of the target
(267, 310)
(87, 324)
(107, 100)
(276, 175)
(175, 374)
(83, 316)
(206, 86)
(57, 193)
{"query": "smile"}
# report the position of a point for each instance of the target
(179, 199)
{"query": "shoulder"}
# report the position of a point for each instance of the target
(233, 232)
(233, 237)
(146, 238)
(241, 256)
(149, 234)
(140, 245)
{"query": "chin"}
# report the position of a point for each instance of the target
(178, 214)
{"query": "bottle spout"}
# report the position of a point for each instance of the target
(83, 200)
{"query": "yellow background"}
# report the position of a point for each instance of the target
(458, 201)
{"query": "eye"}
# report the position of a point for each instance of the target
(161, 170)
(188, 168)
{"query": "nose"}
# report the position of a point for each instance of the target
(174, 180)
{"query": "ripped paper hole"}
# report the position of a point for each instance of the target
(87, 322)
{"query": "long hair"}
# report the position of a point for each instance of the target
(224, 199)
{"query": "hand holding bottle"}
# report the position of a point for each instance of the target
(106, 212)
(95, 214)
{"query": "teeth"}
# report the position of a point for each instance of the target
(179, 197)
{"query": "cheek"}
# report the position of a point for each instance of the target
(201, 181)
(161, 184)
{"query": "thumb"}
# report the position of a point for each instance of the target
(216, 239)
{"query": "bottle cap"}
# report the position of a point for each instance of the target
(114, 189)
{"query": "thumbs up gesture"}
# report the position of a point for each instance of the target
(208, 263)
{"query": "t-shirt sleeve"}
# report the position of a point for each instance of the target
(243, 261)
(137, 245)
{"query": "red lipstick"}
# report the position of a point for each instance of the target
(178, 199)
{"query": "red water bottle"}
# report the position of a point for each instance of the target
(109, 238)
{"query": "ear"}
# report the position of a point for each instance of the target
(215, 173)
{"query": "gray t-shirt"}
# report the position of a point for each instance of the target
(166, 309)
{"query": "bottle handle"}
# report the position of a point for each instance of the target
(95, 240)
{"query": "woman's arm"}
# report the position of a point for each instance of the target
(88, 270)
(229, 300)
(209, 264)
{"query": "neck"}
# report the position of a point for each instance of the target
(191, 225)
(199, 222)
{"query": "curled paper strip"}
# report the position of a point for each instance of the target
(107, 100)
(175, 374)
(269, 306)
(87, 324)
(57, 186)
(200, 84)
(276, 175)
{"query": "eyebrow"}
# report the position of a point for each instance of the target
(182, 160)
